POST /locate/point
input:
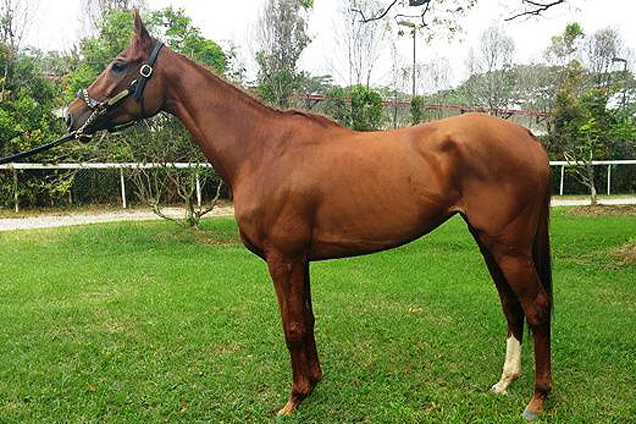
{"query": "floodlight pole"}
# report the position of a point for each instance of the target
(414, 32)
(620, 59)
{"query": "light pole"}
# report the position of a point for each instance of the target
(413, 31)
(615, 60)
(620, 59)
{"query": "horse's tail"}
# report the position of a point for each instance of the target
(541, 246)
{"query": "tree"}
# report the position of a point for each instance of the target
(567, 117)
(534, 8)
(26, 102)
(600, 50)
(417, 109)
(582, 125)
(26, 121)
(433, 14)
(591, 139)
(564, 46)
(366, 109)
(15, 19)
(338, 105)
(360, 42)
(176, 29)
(358, 107)
(397, 88)
(282, 37)
(165, 141)
(29, 98)
(579, 124)
(493, 61)
(420, 8)
(535, 84)
(95, 11)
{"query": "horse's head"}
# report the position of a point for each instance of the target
(128, 89)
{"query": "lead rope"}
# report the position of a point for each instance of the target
(38, 149)
(77, 134)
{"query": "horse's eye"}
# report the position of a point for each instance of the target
(118, 67)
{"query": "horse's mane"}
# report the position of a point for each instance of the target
(316, 117)
(250, 98)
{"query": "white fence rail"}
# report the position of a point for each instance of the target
(15, 167)
(608, 163)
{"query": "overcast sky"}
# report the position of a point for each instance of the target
(57, 26)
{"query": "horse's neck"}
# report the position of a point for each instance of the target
(226, 123)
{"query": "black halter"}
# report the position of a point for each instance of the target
(136, 89)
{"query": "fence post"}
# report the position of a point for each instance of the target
(561, 184)
(15, 193)
(198, 190)
(123, 187)
(609, 178)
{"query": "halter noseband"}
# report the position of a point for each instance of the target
(136, 89)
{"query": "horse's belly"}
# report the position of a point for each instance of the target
(346, 234)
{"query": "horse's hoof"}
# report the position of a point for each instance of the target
(530, 415)
(287, 409)
(498, 390)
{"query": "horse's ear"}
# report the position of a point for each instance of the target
(140, 30)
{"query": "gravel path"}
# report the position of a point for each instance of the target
(583, 202)
(47, 221)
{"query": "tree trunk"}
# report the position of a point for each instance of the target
(3, 80)
(594, 195)
(590, 179)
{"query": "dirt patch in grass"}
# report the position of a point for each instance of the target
(198, 236)
(615, 210)
(626, 254)
(206, 237)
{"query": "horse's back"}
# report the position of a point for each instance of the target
(486, 137)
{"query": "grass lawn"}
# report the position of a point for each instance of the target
(140, 323)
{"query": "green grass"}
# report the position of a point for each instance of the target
(140, 323)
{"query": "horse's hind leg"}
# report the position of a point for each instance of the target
(291, 281)
(514, 316)
(315, 373)
(518, 267)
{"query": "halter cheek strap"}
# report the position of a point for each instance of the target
(145, 72)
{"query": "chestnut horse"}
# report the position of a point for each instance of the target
(306, 188)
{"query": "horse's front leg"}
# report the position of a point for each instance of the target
(290, 275)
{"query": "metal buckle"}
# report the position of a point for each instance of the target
(145, 70)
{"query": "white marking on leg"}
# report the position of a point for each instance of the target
(512, 366)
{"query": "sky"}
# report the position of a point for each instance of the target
(57, 26)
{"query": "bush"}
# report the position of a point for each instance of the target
(366, 108)
(417, 110)
(337, 105)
